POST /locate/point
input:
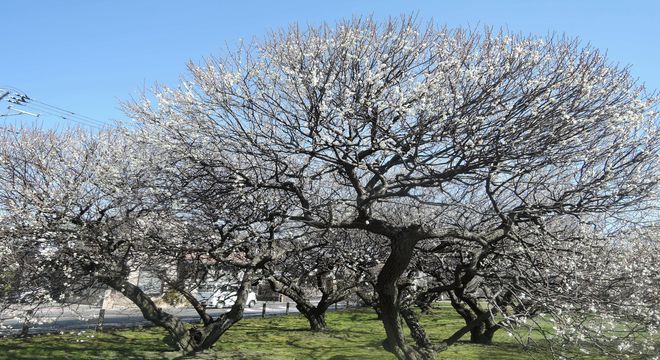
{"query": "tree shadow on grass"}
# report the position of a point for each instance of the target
(262, 329)
(89, 345)
(356, 349)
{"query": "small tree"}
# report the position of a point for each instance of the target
(333, 263)
(585, 282)
(76, 209)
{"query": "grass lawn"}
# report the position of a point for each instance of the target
(354, 334)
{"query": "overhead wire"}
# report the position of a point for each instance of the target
(41, 111)
(70, 113)
(20, 98)
(61, 115)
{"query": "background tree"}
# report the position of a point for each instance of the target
(76, 209)
(332, 263)
(568, 280)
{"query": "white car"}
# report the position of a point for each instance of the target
(218, 297)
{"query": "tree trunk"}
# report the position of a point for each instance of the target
(206, 336)
(481, 331)
(197, 338)
(416, 330)
(199, 308)
(462, 331)
(378, 311)
(425, 302)
(481, 335)
(180, 337)
(314, 315)
(490, 332)
(402, 248)
(371, 300)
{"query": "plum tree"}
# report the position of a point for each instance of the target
(78, 214)
(416, 134)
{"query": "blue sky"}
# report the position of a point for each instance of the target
(87, 55)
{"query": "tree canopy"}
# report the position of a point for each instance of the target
(508, 168)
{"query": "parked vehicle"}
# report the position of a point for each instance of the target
(219, 296)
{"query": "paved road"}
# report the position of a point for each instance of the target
(83, 317)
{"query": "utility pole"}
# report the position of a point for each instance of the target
(18, 99)
(2, 97)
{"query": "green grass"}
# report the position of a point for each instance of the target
(352, 335)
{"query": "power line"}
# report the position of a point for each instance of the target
(70, 112)
(61, 115)
(41, 107)
(30, 109)
(36, 108)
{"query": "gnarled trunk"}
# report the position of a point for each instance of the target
(416, 330)
(196, 338)
(483, 336)
(425, 302)
(370, 298)
(206, 336)
(402, 248)
(482, 326)
(180, 337)
(314, 315)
